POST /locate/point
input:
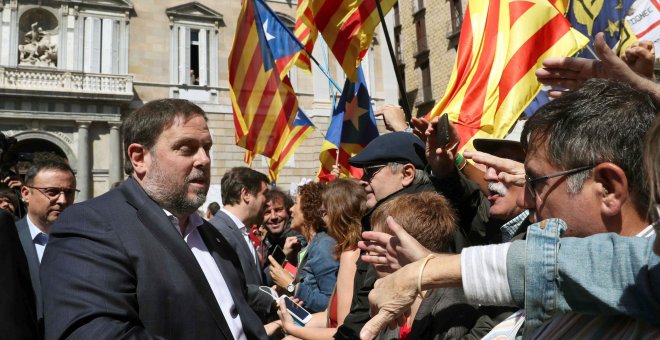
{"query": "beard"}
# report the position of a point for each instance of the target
(173, 196)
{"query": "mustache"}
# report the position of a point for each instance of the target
(198, 175)
(497, 188)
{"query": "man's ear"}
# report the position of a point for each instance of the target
(408, 172)
(138, 154)
(613, 187)
(25, 194)
(245, 195)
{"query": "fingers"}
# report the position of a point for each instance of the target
(499, 164)
(377, 323)
(517, 180)
(373, 248)
(375, 237)
(396, 228)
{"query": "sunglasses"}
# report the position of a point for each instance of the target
(370, 171)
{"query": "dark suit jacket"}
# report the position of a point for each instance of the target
(254, 277)
(33, 263)
(116, 267)
(18, 315)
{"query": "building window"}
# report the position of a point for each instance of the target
(194, 47)
(101, 41)
(417, 5)
(427, 88)
(420, 29)
(456, 9)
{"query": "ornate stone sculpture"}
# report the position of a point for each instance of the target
(37, 49)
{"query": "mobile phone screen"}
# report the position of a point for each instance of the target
(442, 130)
(278, 255)
(296, 310)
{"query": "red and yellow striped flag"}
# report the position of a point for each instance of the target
(348, 26)
(306, 32)
(265, 106)
(502, 43)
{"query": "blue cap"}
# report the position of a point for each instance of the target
(395, 147)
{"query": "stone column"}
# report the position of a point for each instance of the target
(83, 176)
(116, 165)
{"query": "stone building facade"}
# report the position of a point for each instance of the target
(70, 69)
(426, 36)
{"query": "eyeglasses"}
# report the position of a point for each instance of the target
(531, 181)
(53, 192)
(370, 171)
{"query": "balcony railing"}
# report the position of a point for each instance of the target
(26, 81)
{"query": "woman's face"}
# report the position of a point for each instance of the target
(297, 219)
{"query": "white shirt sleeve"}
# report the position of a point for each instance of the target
(484, 275)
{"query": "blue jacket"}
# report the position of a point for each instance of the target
(600, 274)
(317, 273)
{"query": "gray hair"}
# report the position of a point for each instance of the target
(421, 177)
(652, 161)
(604, 121)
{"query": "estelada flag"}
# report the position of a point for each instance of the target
(501, 45)
(348, 26)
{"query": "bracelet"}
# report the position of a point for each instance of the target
(459, 159)
(421, 271)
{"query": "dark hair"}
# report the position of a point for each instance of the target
(345, 201)
(310, 204)
(213, 207)
(604, 121)
(46, 164)
(238, 178)
(652, 161)
(276, 194)
(144, 125)
(426, 216)
(11, 196)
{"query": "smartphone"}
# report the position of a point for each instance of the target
(442, 130)
(278, 255)
(299, 314)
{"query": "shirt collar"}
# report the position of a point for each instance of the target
(34, 230)
(237, 221)
(194, 221)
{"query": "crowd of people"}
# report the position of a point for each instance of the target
(551, 233)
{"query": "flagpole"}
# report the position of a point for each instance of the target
(399, 80)
(325, 73)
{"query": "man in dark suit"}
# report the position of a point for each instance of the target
(244, 197)
(50, 187)
(17, 304)
(138, 262)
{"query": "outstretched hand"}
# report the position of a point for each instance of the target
(441, 158)
(509, 171)
(388, 253)
(393, 116)
(571, 73)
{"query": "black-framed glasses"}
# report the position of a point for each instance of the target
(370, 171)
(529, 182)
(52, 193)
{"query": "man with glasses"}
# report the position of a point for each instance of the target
(584, 166)
(50, 187)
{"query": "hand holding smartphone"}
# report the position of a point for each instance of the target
(279, 255)
(299, 314)
(442, 131)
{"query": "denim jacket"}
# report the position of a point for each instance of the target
(317, 273)
(600, 274)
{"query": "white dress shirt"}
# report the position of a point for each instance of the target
(211, 272)
(39, 238)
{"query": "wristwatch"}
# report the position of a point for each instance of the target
(291, 288)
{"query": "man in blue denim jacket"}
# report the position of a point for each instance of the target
(573, 174)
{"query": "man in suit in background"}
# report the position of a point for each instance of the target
(17, 302)
(50, 187)
(138, 262)
(244, 196)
